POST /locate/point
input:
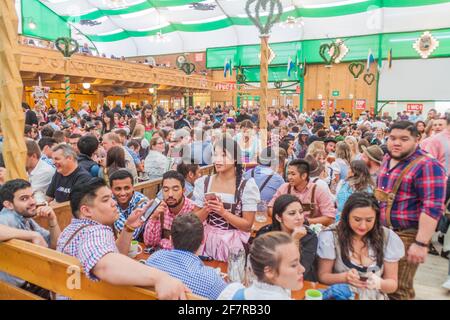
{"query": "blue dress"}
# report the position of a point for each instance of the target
(342, 196)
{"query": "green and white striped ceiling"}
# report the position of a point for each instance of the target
(124, 27)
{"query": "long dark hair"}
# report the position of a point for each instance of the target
(279, 206)
(232, 147)
(345, 233)
(112, 122)
(361, 178)
(144, 119)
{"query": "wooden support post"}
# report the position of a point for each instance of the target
(11, 89)
(327, 106)
(264, 65)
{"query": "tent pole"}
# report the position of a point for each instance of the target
(12, 117)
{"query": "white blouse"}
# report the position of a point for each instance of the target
(250, 199)
(257, 291)
(394, 249)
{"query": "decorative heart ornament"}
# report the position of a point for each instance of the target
(356, 69)
(241, 78)
(329, 48)
(278, 84)
(369, 78)
(67, 46)
(188, 68)
(272, 17)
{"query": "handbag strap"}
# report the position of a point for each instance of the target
(393, 193)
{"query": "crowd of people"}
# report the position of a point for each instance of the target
(355, 203)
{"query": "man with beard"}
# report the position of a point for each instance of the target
(157, 230)
(373, 156)
(19, 208)
(411, 188)
(121, 182)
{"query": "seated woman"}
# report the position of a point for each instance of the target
(287, 216)
(156, 163)
(360, 251)
(226, 201)
(275, 261)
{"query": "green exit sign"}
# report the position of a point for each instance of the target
(335, 93)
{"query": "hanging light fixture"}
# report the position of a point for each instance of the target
(293, 22)
(31, 24)
(86, 85)
(159, 37)
(151, 90)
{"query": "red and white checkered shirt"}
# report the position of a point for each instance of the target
(152, 233)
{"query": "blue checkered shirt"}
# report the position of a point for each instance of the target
(187, 267)
(125, 213)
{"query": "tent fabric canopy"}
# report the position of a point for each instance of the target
(125, 27)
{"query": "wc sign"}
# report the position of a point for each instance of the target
(414, 107)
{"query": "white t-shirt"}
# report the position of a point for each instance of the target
(250, 199)
(41, 176)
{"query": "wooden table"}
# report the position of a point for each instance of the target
(297, 295)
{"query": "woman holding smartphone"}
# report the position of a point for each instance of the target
(360, 251)
(226, 201)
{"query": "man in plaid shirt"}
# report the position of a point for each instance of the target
(418, 204)
(90, 238)
(174, 204)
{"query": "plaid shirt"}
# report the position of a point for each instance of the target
(187, 267)
(152, 233)
(421, 191)
(89, 245)
(125, 213)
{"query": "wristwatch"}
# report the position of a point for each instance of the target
(421, 244)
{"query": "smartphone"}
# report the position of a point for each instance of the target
(210, 196)
(155, 204)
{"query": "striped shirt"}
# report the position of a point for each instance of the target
(422, 190)
(125, 213)
(152, 233)
(187, 267)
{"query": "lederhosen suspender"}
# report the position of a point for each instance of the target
(165, 233)
(308, 207)
(389, 198)
(265, 181)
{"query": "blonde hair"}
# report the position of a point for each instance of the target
(343, 151)
(139, 131)
(353, 145)
(315, 147)
(263, 252)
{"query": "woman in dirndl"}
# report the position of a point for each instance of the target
(230, 204)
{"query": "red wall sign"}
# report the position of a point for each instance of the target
(414, 107)
(360, 104)
(226, 86)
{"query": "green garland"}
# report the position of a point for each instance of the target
(70, 46)
(272, 18)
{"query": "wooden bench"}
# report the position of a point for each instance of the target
(56, 271)
(149, 188)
